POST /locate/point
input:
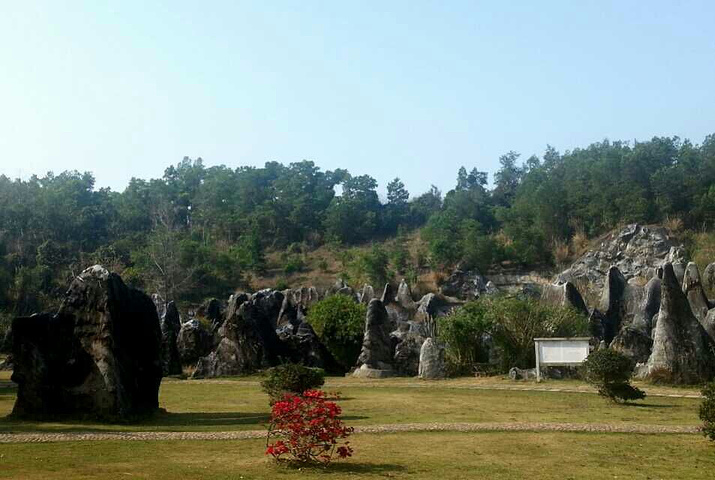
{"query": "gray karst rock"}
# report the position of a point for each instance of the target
(708, 324)
(434, 305)
(193, 342)
(636, 250)
(395, 311)
(404, 296)
(464, 284)
(643, 319)
(248, 339)
(341, 288)
(613, 303)
(516, 373)
(596, 321)
(376, 352)
(407, 354)
(490, 288)
(307, 349)
(680, 345)
(296, 303)
(565, 295)
(432, 360)
(693, 288)
(212, 309)
(170, 326)
(709, 280)
(98, 356)
(633, 342)
(366, 294)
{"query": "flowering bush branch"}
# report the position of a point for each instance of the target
(307, 428)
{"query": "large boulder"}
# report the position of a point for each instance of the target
(680, 345)
(376, 352)
(248, 339)
(464, 284)
(170, 326)
(432, 360)
(193, 342)
(98, 356)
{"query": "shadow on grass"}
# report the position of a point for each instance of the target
(346, 468)
(162, 421)
(647, 405)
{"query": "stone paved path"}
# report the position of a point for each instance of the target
(387, 428)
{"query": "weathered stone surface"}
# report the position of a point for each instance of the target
(636, 250)
(566, 295)
(366, 294)
(306, 349)
(248, 339)
(341, 288)
(395, 312)
(680, 344)
(634, 343)
(212, 309)
(98, 356)
(193, 342)
(376, 349)
(464, 284)
(404, 296)
(432, 360)
(366, 372)
(296, 303)
(407, 355)
(434, 305)
(643, 319)
(516, 373)
(709, 280)
(693, 288)
(170, 326)
(613, 304)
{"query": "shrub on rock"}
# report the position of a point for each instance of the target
(339, 323)
(610, 371)
(291, 378)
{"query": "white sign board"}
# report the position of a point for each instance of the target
(560, 351)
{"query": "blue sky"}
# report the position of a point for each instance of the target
(388, 88)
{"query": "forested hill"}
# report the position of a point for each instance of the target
(201, 231)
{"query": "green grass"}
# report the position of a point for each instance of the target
(413, 455)
(239, 404)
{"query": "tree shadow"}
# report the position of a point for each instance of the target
(647, 405)
(346, 468)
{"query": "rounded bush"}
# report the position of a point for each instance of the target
(610, 371)
(291, 378)
(707, 410)
(339, 322)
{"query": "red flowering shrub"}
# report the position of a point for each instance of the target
(308, 428)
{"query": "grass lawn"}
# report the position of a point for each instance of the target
(239, 404)
(413, 455)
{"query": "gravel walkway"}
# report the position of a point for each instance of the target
(387, 428)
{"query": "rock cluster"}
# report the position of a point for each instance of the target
(99, 355)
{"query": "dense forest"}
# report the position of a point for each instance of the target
(199, 231)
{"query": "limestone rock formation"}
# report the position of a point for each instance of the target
(376, 352)
(193, 342)
(406, 359)
(693, 288)
(709, 279)
(680, 344)
(366, 294)
(636, 250)
(248, 339)
(566, 295)
(633, 342)
(307, 349)
(404, 296)
(464, 284)
(99, 355)
(170, 326)
(432, 360)
(395, 311)
(212, 309)
(434, 305)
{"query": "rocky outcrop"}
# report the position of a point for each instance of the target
(170, 326)
(193, 342)
(395, 311)
(404, 296)
(98, 356)
(341, 288)
(566, 295)
(636, 250)
(434, 305)
(376, 352)
(634, 343)
(709, 280)
(406, 359)
(693, 289)
(296, 303)
(432, 360)
(680, 345)
(212, 309)
(306, 349)
(248, 339)
(464, 284)
(650, 305)
(366, 294)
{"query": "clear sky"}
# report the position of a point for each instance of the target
(390, 88)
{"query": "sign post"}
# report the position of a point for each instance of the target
(561, 352)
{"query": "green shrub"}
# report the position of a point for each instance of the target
(707, 410)
(463, 333)
(610, 371)
(339, 322)
(516, 321)
(293, 378)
